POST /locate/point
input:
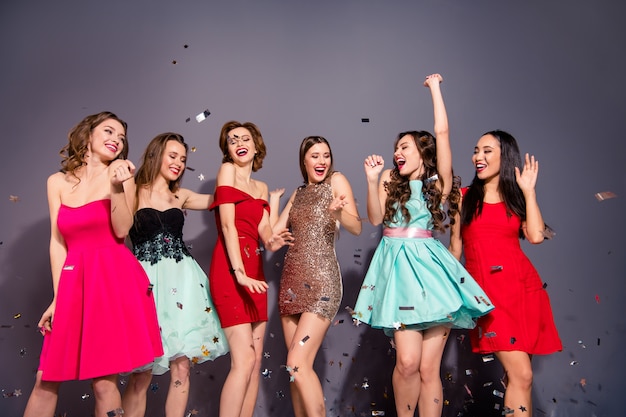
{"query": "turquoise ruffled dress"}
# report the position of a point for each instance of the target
(189, 323)
(414, 282)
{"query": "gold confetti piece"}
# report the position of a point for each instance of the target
(193, 149)
(14, 198)
(17, 315)
(605, 195)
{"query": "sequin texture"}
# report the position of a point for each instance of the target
(311, 279)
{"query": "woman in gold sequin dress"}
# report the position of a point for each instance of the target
(310, 285)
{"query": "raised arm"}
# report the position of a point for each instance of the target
(279, 222)
(376, 192)
(123, 193)
(442, 134)
(195, 201)
(58, 249)
(456, 242)
(273, 238)
(534, 226)
(343, 207)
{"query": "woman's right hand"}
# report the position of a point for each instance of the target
(253, 285)
(277, 193)
(373, 165)
(45, 323)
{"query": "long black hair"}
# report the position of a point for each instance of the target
(509, 191)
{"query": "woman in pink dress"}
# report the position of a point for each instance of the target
(102, 320)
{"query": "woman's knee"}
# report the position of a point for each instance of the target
(407, 364)
(139, 382)
(104, 386)
(180, 369)
(521, 376)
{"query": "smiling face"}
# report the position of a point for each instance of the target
(486, 158)
(241, 146)
(408, 158)
(173, 160)
(317, 162)
(107, 140)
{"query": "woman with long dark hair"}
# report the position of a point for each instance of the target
(498, 208)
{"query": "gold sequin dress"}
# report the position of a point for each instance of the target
(311, 279)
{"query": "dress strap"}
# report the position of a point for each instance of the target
(407, 232)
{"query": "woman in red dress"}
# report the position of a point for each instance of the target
(499, 208)
(236, 276)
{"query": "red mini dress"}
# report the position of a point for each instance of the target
(522, 319)
(234, 303)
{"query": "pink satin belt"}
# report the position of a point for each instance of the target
(407, 232)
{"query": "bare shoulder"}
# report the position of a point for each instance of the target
(226, 174)
(337, 179)
(59, 180)
(261, 188)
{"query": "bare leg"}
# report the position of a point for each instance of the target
(43, 399)
(258, 334)
(406, 374)
(430, 402)
(304, 346)
(290, 324)
(178, 393)
(134, 397)
(108, 398)
(242, 364)
(519, 374)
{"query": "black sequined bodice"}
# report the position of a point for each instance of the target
(158, 234)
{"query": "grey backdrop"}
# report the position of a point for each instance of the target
(549, 72)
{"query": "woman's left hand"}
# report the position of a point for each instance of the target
(121, 170)
(337, 205)
(527, 179)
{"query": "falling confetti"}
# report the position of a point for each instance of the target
(17, 315)
(14, 198)
(548, 233)
(201, 177)
(267, 373)
(304, 340)
(193, 149)
(605, 195)
(495, 268)
(202, 116)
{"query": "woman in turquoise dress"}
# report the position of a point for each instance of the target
(190, 329)
(414, 289)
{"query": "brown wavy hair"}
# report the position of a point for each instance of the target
(256, 137)
(73, 154)
(399, 191)
(151, 161)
